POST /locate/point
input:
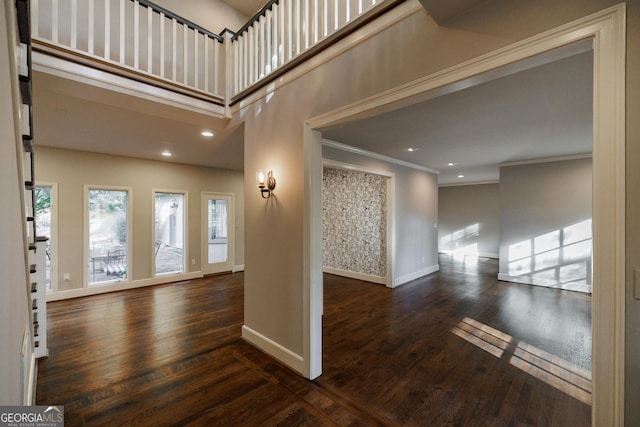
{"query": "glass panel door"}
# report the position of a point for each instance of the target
(218, 239)
(218, 242)
(108, 231)
(169, 233)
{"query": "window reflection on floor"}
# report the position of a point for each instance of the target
(553, 370)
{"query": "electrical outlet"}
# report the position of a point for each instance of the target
(193, 261)
(66, 277)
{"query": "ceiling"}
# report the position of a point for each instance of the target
(541, 112)
(248, 7)
(538, 112)
(72, 115)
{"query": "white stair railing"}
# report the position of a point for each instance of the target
(135, 36)
(285, 29)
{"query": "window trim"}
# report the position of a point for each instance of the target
(185, 225)
(85, 225)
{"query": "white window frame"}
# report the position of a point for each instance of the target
(85, 264)
(185, 263)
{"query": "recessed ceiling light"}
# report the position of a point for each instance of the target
(451, 164)
(412, 149)
(167, 154)
(206, 133)
(460, 176)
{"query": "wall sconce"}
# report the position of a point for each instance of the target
(266, 184)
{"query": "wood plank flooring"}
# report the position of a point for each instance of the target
(454, 348)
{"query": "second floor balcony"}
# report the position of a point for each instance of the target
(140, 40)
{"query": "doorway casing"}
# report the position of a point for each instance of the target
(606, 30)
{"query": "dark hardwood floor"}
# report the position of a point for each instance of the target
(453, 348)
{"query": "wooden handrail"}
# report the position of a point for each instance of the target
(254, 18)
(180, 19)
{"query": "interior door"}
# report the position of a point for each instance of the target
(218, 232)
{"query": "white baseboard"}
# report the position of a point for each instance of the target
(547, 283)
(121, 285)
(420, 273)
(273, 349)
(480, 254)
(355, 275)
(489, 255)
(237, 268)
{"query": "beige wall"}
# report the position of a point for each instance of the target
(214, 15)
(71, 170)
(414, 48)
(464, 206)
(541, 205)
(632, 341)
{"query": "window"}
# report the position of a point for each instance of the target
(169, 232)
(108, 235)
(45, 214)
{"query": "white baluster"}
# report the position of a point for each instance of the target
(206, 64)
(162, 41)
(316, 21)
(174, 50)
(267, 41)
(35, 18)
(122, 27)
(91, 25)
(217, 46)
(136, 34)
(245, 60)
(336, 15)
(289, 30)
(54, 21)
(347, 12)
(305, 25)
(196, 54)
(185, 56)
(325, 19)
(298, 27)
(260, 72)
(149, 40)
(252, 53)
(281, 7)
(74, 24)
(236, 66)
(275, 43)
(107, 30)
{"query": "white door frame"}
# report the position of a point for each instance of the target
(231, 232)
(607, 31)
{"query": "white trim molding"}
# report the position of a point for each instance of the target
(547, 283)
(606, 30)
(547, 160)
(355, 275)
(372, 155)
(462, 184)
(284, 355)
(237, 268)
(416, 275)
(122, 285)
